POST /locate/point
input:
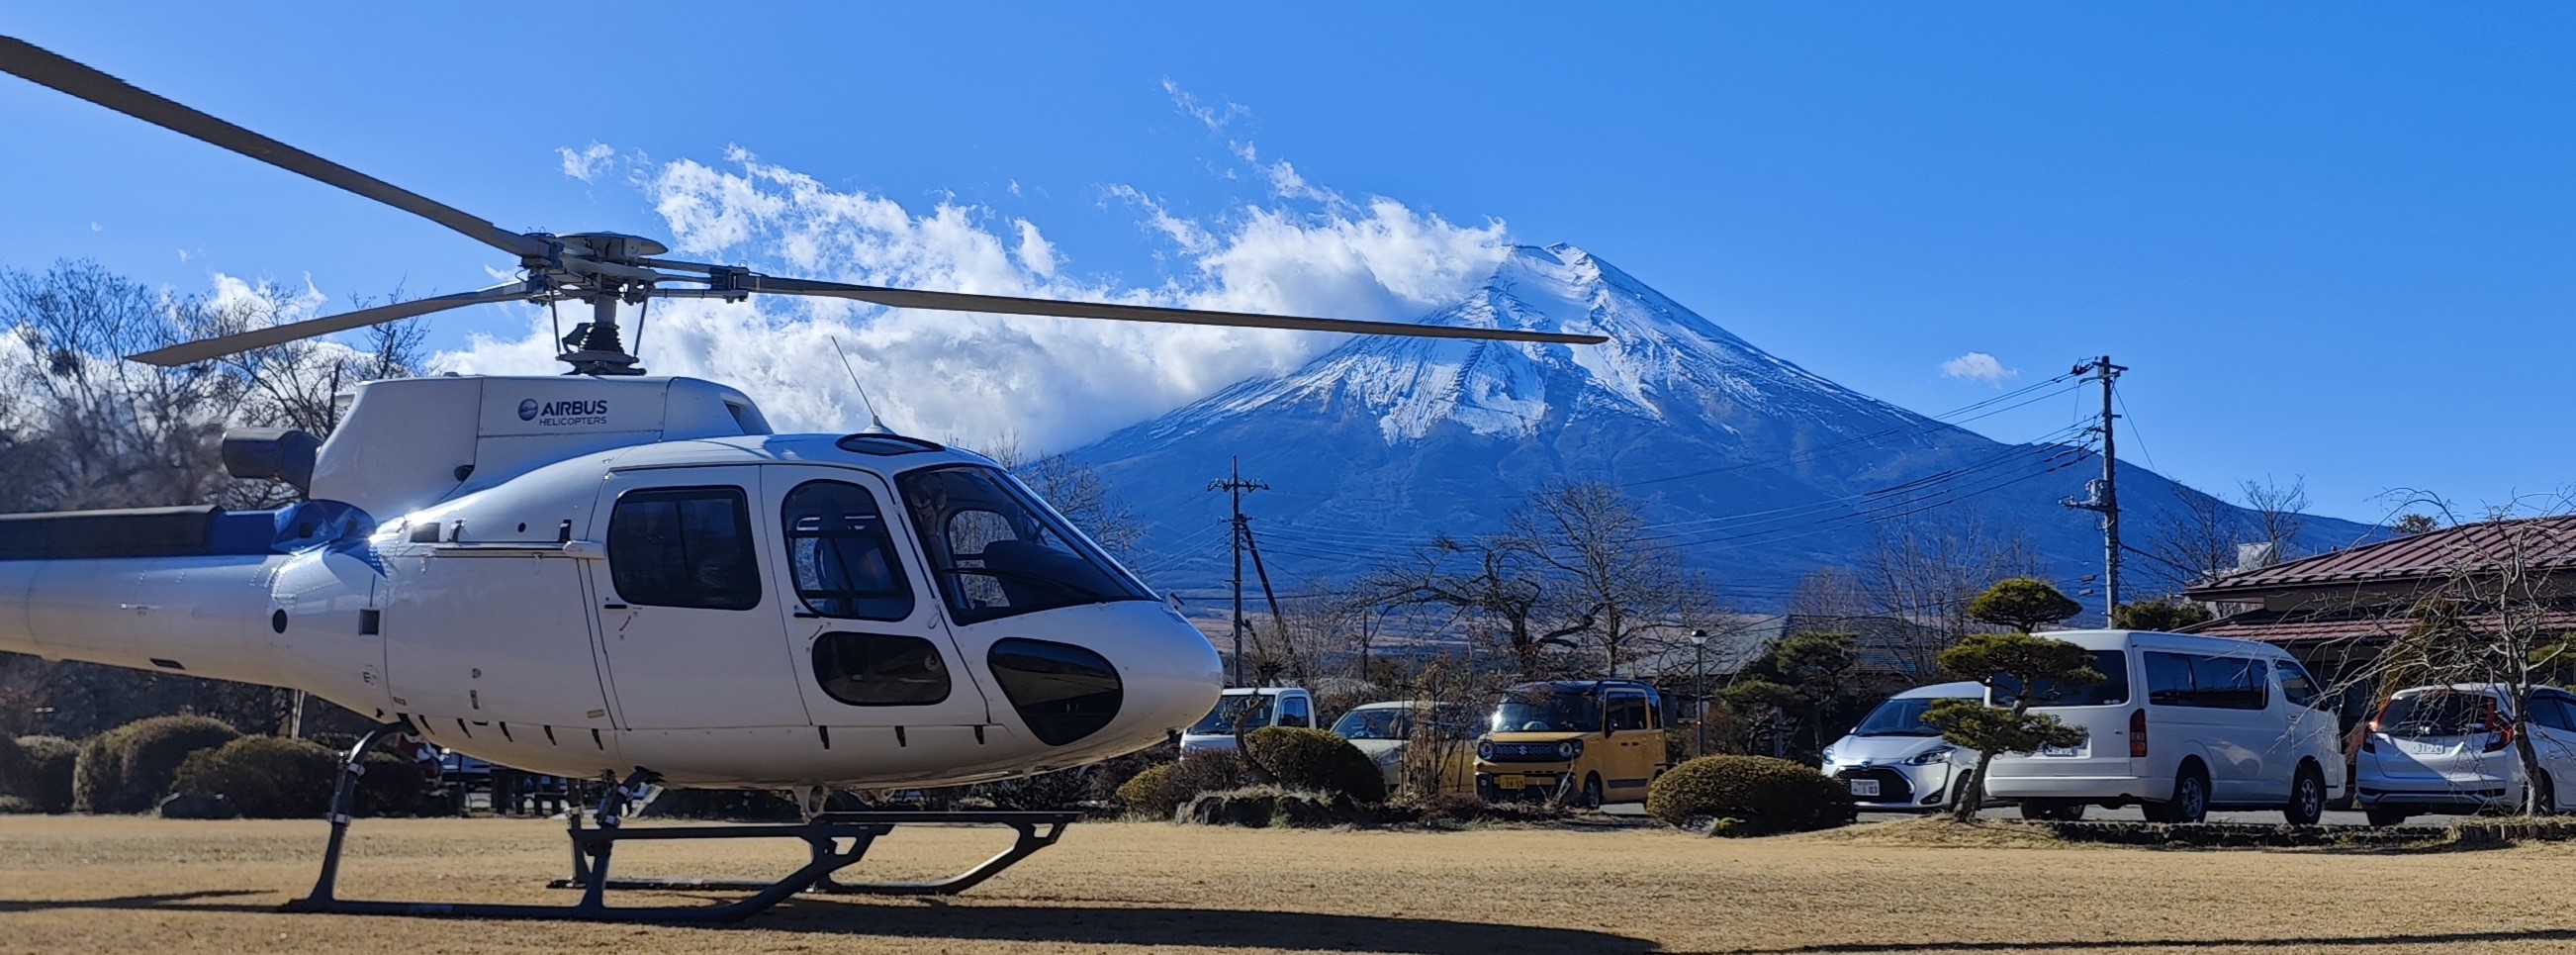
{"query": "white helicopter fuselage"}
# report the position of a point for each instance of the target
(590, 575)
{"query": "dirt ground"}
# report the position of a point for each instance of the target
(132, 884)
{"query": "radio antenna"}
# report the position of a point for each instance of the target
(876, 425)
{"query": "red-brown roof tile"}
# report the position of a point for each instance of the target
(2308, 627)
(2544, 542)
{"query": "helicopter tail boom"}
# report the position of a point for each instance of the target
(200, 616)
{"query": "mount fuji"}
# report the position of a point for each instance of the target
(1755, 469)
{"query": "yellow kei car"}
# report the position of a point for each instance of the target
(1594, 741)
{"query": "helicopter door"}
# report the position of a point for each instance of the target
(863, 621)
(688, 626)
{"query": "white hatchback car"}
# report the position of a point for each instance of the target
(1895, 762)
(2436, 749)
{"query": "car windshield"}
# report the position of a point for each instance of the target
(2113, 690)
(1388, 723)
(1252, 709)
(997, 551)
(1900, 717)
(2436, 714)
(1548, 709)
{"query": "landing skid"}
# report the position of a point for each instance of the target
(837, 841)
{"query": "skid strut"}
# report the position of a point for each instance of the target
(837, 841)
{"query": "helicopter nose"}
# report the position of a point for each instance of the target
(1094, 681)
(1174, 675)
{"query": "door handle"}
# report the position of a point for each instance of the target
(612, 607)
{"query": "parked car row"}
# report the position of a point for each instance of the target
(2182, 725)
(1590, 742)
(2179, 726)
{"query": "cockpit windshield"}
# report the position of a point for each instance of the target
(1548, 708)
(997, 551)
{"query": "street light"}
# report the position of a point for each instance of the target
(1699, 691)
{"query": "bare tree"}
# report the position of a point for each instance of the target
(1926, 570)
(1617, 592)
(1496, 579)
(1832, 592)
(2278, 513)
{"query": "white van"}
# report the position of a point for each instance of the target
(2181, 725)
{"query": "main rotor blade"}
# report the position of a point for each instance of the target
(1007, 305)
(46, 68)
(203, 349)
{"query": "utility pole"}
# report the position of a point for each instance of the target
(1234, 485)
(2103, 496)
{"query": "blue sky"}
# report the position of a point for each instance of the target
(2331, 241)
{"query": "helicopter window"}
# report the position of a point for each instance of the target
(875, 669)
(1063, 692)
(684, 547)
(996, 551)
(841, 553)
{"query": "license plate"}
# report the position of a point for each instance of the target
(1863, 787)
(2422, 749)
(2061, 751)
(1514, 781)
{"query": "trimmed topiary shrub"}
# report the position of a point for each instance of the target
(1317, 760)
(1149, 793)
(129, 768)
(264, 777)
(1750, 795)
(47, 764)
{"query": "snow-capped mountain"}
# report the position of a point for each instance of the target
(1758, 470)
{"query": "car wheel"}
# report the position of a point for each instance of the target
(2070, 812)
(2190, 801)
(2307, 797)
(2037, 810)
(2383, 815)
(2546, 799)
(1592, 792)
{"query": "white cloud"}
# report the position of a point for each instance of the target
(1213, 117)
(585, 164)
(1979, 366)
(1055, 382)
(95, 227)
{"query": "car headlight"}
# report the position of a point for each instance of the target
(1827, 755)
(1569, 749)
(1484, 750)
(1931, 756)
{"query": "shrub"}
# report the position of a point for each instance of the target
(12, 806)
(264, 777)
(1150, 793)
(1160, 791)
(129, 768)
(1317, 760)
(1758, 793)
(17, 772)
(44, 772)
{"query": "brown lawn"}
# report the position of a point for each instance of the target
(131, 884)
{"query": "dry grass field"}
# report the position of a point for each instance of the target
(133, 884)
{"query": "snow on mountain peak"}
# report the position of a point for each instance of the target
(1662, 362)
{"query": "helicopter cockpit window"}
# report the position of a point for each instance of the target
(684, 547)
(841, 553)
(997, 552)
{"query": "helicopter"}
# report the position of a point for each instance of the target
(612, 575)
